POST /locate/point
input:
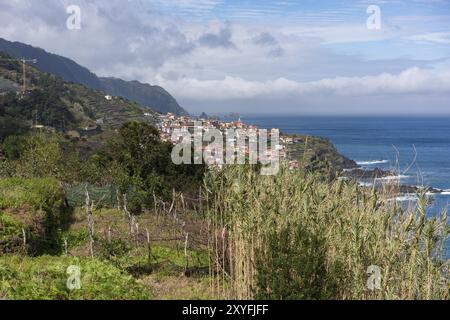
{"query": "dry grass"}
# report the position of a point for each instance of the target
(178, 287)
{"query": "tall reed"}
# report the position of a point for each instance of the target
(352, 228)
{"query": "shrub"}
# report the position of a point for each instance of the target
(43, 154)
(13, 146)
(45, 278)
(294, 267)
(10, 233)
(114, 248)
(41, 157)
(35, 206)
(37, 193)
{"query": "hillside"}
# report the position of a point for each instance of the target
(52, 63)
(153, 97)
(316, 152)
(6, 85)
(58, 104)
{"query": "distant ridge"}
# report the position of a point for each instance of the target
(153, 97)
(143, 93)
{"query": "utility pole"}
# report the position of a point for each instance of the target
(24, 70)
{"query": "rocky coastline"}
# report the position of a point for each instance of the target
(375, 175)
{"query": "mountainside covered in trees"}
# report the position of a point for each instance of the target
(57, 104)
(153, 97)
(160, 100)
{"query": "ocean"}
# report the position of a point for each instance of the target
(417, 147)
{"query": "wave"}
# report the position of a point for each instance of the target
(407, 198)
(365, 184)
(372, 162)
(445, 192)
(397, 177)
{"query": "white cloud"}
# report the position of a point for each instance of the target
(410, 81)
(211, 61)
(434, 37)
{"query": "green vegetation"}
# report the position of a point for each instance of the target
(44, 178)
(11, 233)
(314, 239)
(42, 154)
(121, 269)
(138, 162)
(38, 194)
(132, 161)
(45, 278)
(300, 259)
(59, 105)
(32, 213)
(6, 86)
(110, 201)
(146, 95)
(297, 235)
(317, 154)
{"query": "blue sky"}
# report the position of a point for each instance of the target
(281, 56)
(416, 17)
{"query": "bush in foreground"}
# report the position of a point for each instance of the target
(45, 278)
(31, 210)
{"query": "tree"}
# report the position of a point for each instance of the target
(13, 146)
(40, 157)
(138, 160)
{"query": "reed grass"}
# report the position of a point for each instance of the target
(342, 226)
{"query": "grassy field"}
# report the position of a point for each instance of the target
(45, 278)
(121, 268)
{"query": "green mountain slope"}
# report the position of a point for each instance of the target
(58, 104)
(153, 97)
(52, 63)
(7, 85)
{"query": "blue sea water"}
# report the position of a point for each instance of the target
(417, 147)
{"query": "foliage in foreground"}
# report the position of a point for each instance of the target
(140, 164)
(133, 161)
(45, 278)
(31, 211)
(297, 236)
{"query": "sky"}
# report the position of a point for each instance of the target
(256, 56)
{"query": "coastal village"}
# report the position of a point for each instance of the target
(170, 122)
